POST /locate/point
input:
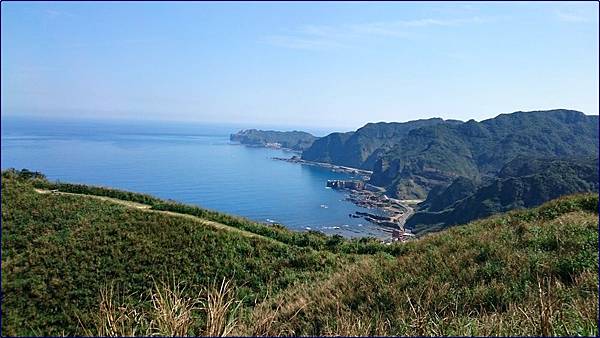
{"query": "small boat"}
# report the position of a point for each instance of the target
(308, 228)
(270, 220)
(324, 206)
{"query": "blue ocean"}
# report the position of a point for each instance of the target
(186, 162)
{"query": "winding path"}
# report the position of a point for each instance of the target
(148, 208)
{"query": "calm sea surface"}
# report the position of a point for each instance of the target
(190, 163)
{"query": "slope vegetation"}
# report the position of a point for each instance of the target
(531, 272)
(60, 250)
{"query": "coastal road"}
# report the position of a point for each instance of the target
(401, 218)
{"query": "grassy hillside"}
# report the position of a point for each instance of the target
(532, 272)
(58, 251)
(63, 255)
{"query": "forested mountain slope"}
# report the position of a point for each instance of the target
(362, 148)
(411, 158)
(296, 140)
(522, 183)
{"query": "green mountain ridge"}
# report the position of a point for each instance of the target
(434, 156)
(362, 148)
(412, 158)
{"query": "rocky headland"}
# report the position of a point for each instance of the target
(292, 140)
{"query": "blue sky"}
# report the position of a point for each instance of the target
(298, 64)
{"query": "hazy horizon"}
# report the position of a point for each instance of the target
(315, 130)
(335, 66)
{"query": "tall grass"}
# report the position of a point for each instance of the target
(171, 312)
(221, 308)
(519, 274)
(116, 317)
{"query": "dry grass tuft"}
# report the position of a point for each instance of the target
(172, 311)
(221, 309)
(116, 318)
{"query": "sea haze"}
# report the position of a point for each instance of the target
(190, 163)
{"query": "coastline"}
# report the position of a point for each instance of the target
(393, 213)
(370, 197)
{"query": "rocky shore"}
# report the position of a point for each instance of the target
(389, 213)
(393, 213)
